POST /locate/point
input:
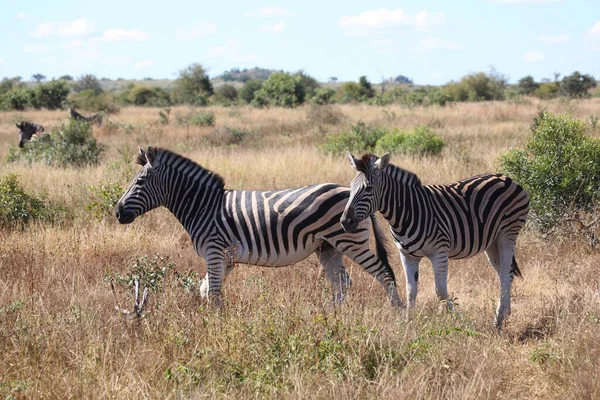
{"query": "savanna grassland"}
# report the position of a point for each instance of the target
(278, 334)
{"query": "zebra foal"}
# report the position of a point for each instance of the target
(27, 130)
(441, 222)
(274, 228)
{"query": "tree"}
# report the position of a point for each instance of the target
(38, 77)
(349, 92)
(87, 82)
(50, 95)
(248, 91)
(577, 85)
(66, 78)
(333, 79)
(226, 94)
(527, 85)
(366, 89)
(310, 83)
(281, 89)
(193, 85)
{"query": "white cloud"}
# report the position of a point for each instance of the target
(36, 48)
(143, 64)
(553, 39)
(534, 57)
(231, 51)
(525, 1)
(266, 12)
(271, 29)
(78, 27)
(121, 35)
(118, 61)
(198, 30)
(381, 20)
(74, 44)
(21, 15)
(592, 38)
(437, 43)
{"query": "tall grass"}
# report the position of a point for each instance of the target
(278, 335)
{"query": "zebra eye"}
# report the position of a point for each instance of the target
(369, 189)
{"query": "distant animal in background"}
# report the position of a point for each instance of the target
(95, 118)
(27, 130)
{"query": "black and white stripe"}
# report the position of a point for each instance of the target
(459, 220)
(27, 130)
(274, 228)
(95, 118)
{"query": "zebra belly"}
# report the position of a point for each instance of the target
(274, 260)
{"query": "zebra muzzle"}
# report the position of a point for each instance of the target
(123, 216)
(348, 221)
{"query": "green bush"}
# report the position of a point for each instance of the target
(226, 94)
(50, 95)
(16, 99)
(477, 87)
(104, 198)
(527, 85)
(360, 138)
(193, 86)
(68, 144)
(349, 92)
(577, 85)
(547, 90)
(323, 96)
(95, 102)
(558, 167)
(143, 95)
(202, 119)
(227, 136)
(281, 89)
(17, 207)
(248, 91)
(420, 142)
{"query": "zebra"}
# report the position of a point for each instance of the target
(272, 228)
(27, 130)
(96, 118)
(441, 222)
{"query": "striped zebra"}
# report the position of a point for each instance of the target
(95, 118)
(27, 130)
(274, 228)
(459, 220)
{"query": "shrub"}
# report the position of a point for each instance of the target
(477, 87)
(87, 82)
(193, 86)
(104, 198)
(558, 167)
(359, 138)
(94, 101)
(143, 95)
(323, 96)
(202, 119)
(327, 114)
(226, 94)
(366, 89)
(16, 99)
(281, 89)
(547, 90)
(309, 83)
(527, 85)
(349, 92)
(50, 95)
(17, 207)
(248, 91)
(577, 85)
(230, 136)
(420, 142)
(67, 144)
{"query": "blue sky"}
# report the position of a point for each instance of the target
(431, 42)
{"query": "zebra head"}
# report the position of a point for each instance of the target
(365, 189)
(145, 192)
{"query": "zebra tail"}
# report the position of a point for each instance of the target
(515, 268)
(380, 246)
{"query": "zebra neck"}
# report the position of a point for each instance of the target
(194, 204)
(404, 205)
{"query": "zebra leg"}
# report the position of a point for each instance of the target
(204, 282)
(373, 265)
(500, 253)
(411, 273)
(333, 264)
(440, 274)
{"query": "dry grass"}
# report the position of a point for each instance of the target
(278, 335)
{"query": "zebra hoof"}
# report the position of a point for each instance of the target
(203, 283)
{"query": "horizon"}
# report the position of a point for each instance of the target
(431, 43)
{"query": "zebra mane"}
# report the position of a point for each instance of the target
(409, 178)
(185, 165)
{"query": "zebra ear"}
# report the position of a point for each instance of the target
(18, 125)
(141, 157)
(352, 160)
(382, 162)
(150, 155)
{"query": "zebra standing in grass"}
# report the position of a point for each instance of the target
(459, 220)
(96, 118)
(27, 130)
(274, 228)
